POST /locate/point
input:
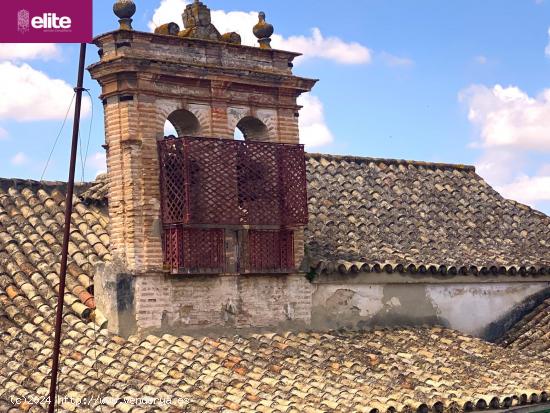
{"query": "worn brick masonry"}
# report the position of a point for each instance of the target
(205, 89)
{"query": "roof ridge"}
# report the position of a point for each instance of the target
(393, 161)
(6, 183)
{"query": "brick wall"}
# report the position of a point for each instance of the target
(144, 79)
(169, 303)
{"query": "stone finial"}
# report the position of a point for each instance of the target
(171, 29)
(124, 10)
(197, 24)
(231, 37)
(263, 31)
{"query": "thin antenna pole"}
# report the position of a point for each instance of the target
(67, 233)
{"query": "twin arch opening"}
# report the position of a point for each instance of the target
(182, 122)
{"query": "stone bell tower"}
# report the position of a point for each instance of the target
(206, 231)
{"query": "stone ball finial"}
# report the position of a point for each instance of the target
(263, 31)
(124, 10)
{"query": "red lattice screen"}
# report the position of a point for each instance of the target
(227, 182)
(194, 249)
(175, 203)
(270, 250)
(293, 182)
(220, 182)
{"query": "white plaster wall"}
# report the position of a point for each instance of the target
(471, 308)
(467, 307)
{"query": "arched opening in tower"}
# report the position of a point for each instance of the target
(251, 128)
(181, 122)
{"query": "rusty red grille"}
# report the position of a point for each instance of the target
(270, 250)
(293, 182)
(174, 195)
(227, 182)
(220, 182)
(194, 249)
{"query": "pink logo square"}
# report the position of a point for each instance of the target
(46, 21)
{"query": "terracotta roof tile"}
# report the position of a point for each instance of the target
(532, 333)
(368, 214)
(401, 370)
(97, 192)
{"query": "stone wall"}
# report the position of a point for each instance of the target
(161, 303)
(218, 302)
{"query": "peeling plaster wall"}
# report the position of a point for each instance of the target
(473, 308)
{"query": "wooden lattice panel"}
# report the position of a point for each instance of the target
(270, 250)
(293, 185)
(211, 166)
(194, 249)
(226, 182)
(258, 184)
(173, 181)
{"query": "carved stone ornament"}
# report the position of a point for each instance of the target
(124, 10)
(263, 31)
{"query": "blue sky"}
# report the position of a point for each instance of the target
(454, 81)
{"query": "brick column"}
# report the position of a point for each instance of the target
(288, 126)
(132, 123)
(220, 127)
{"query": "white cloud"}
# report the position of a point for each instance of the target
(237, 21)
(512, 126)
(30, 95)
(313, 130)
(330, 48)
(19, 159)
(168, 11)
(499, 166)
(28, 51)
(395, 61)
(315, 45)
(544, 169)
(169, 129)
(508, 117)
(3, 134)
(97, 161)
(527, 189)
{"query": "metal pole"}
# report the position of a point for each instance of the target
(67, 233)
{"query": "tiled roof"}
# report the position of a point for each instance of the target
(400, 370)
(371, 214)
(31, 233)
(532, 333)
(97, 191)
(368, 214)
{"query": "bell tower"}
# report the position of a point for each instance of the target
(206, 230)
